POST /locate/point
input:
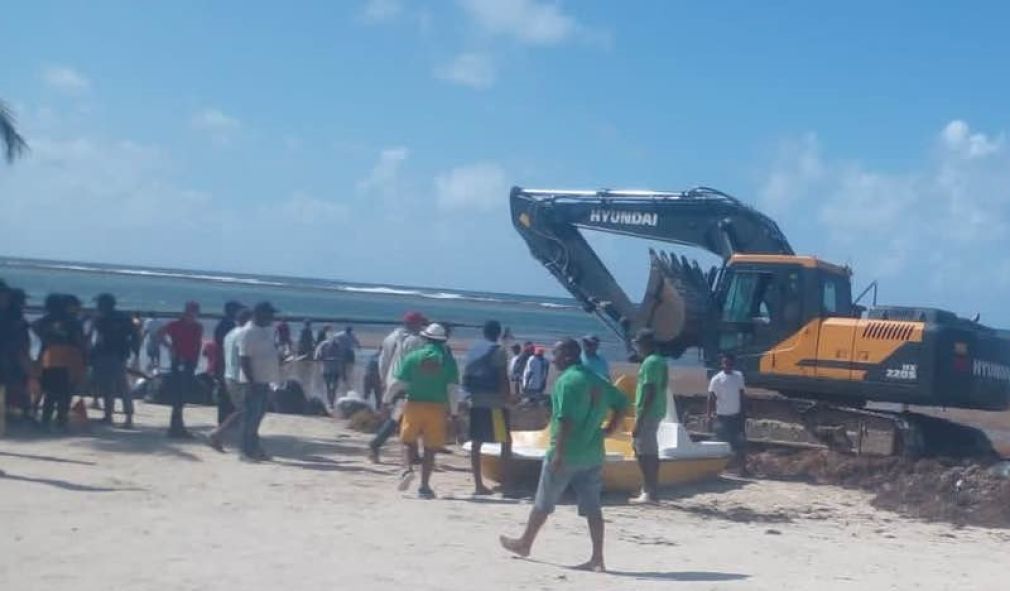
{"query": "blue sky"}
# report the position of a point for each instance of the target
(376, 141)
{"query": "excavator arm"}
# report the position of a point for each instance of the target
(679, 299)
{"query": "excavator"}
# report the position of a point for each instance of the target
(790, 321)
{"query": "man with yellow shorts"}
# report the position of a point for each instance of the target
(425, 376)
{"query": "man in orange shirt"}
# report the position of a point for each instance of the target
(61, 356)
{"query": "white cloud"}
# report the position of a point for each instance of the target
(379, 11)
(958, 139)
(475, 70)
(797, 166)
(384, 179)
(480, 186)
(532, 22)
(66, 80)
(933, 233)
(218, 126)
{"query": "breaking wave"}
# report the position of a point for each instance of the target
(313, 284)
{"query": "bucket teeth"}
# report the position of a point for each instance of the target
(678, 302)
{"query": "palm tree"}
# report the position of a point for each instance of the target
(13, 144)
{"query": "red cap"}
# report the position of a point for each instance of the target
(414, 318)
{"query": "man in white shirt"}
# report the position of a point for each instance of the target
(726, 399)
(535, 377)
(260, 365)
(233, 389)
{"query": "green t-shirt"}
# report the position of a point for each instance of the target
(582, 398)
(652, 371)
(427, 372)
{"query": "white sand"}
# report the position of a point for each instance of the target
(119, 510)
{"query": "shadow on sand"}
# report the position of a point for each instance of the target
(683, 576)
(46, 458)
(65, 485)
(142, 439)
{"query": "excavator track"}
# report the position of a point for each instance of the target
(805, 424)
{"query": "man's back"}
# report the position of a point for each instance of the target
(597, 364)
(115, 335)
(397, 344)
(348, 341)
(485, 375)
(427, 372)
(330, 353)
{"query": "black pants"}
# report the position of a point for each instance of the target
(386, 430)
(181, 380)
(56, 387)
(731, 429)
(332, 380)
(225, 407)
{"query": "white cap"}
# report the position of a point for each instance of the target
(435, 332)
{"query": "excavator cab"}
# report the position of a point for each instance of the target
(764, 301)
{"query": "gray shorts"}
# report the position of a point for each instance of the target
(587, 482)
(236, 393)
(647, 443)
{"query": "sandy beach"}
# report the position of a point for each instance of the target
(116, 509)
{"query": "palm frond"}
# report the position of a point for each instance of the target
(13, 144)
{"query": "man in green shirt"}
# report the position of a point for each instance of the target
(425, 375)
(580, 402)
(650, 410)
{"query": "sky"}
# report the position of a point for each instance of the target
(376, 141)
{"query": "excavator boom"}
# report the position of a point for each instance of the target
(678, 297)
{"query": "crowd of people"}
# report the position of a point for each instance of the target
(418, 386)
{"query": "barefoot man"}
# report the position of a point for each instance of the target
(580, 402)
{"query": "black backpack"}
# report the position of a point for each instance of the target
(481, 375)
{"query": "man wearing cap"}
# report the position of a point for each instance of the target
(591, 357)
(115, 339)
(425, 376)
(183, 337)
(398, 343)
(580, 401)
(260, 367)
(650, 410)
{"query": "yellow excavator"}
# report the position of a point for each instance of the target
(789, 319)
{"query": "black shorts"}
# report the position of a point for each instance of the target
(55, 381)
(732, 430)
(490, 425)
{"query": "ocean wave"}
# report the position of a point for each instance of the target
(553, 305)
(167, 274)
(381, 290)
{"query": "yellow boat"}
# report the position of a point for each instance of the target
(682, 461)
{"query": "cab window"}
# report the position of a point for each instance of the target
(749, 298)
(830, 304)
(836, 299)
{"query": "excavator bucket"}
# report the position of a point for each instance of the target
(678, 303)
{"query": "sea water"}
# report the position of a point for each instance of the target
(542, 320)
